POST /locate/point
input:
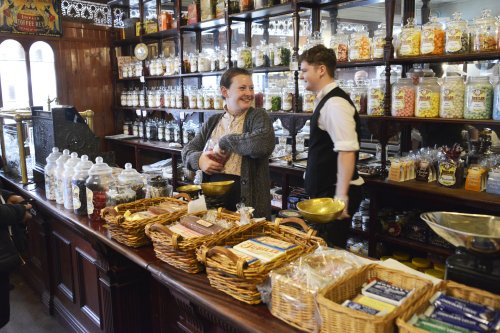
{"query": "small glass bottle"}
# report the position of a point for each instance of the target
(78, 188)
(403, 98)
(378, 42)
(376, 98)
(98, 183)
(340, 44)
(409, 39)
(457, 36)
(59, 176)
(427, 98)
(432, 38)
(478, 98)
(49, 174)
(69, 168)
(452, 97)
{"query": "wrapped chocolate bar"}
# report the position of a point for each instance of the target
(386, 292)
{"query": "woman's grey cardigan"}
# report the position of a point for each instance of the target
(255, 145)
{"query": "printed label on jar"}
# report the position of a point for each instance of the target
(427, 41)
(399, 99)
(478, 101)
(447, 173)
(90, 203)
(424, 99)
(76, 197)
(449, 97)
(454, 40)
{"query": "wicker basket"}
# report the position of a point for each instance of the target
(131, 233)
(179, 252)
(232, 275)
(337, 318)
(449, 288)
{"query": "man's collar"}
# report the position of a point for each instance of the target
(326, 89)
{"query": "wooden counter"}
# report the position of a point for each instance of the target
(93, 283)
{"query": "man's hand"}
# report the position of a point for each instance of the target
(15, 199)
(345, 212)
(207, 163)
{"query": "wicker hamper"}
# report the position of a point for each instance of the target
(179, 252)
(449, 288)
(337, 318)
(234, 276)
(131, 233)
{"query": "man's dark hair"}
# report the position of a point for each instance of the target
(320, 55)
(227, 77)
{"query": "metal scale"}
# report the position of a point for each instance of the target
(477, 237)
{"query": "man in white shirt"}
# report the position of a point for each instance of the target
(334, 141)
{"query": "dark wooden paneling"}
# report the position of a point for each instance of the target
(89, 301)
(63, 267)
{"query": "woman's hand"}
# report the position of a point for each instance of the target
(15, 199)
(27, 214)
(208, 164)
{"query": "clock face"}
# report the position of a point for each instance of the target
(141, 51)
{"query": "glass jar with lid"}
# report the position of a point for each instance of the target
(204, 62)
(50, 175)
(432, 38)
(160, 102)
(59, 175)
(359, 46)
(200, 98)
(452, 97)
(157, 186)
(378, 42)
(135, 96)
(186, 63)
(124, 71)
(193, 60)
(151, 98)
(258, 97)
(138, 68)
(272, 100)
(140, 129)
(78, 187)
(218, 101)
(261, 59)
(178, 98)
(340, 44)
(478, 98)
(308, 100)
(427, 98)
(409, 39)
(358, 94)
(126, 127)
(119, 194)
(135, 128)
(97, 184)
(130, 97)
(222, 54)
(282, 53)
(161, 130)
(123, 98)
(151, 131)
(208, 99)
(376, 97)
(244, 57)
(134, 180)
(484, 33)
(496, 102)
(287, 97)
(69, 169)
(140, 95)
(403, 98)
(214, 61)
(457, 35)
(191, 92)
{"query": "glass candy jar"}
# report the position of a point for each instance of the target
(59, 175)
(340, 44)
(484, 33)
(432, 38)
(427, 98)
(376, 98)
(403, 98)
(98, 183)
(409, 39)
(457, 35)
(359, 46)
(308, 101)
(244, 57)
(287, 98)
(69, 169)
(358, 94)
(478, 98)
(157, 186)
(78, 188)
(50, 174)
(378, 42)
(452, 97)
(283, 54)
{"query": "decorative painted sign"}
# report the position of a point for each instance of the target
(39, 17)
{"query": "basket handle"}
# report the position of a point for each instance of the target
(240, 263)
(182, 195)
(175, 238)
(307, 229)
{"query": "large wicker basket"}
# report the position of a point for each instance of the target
(232, 275)
(131, 233)
(449, 288)
(179, 252)
(337, 318)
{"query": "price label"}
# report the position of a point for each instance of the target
(142, 79)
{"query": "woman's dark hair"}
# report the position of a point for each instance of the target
(227, 77)
(320, 55)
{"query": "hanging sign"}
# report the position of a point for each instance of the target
(38, 17)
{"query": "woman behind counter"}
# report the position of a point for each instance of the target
(244, 138)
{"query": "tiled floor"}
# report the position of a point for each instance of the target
(27, 314)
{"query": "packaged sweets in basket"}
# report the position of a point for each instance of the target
(452, 307)
(369, 299)
(292, 289)
(126, 222)
(238, 274)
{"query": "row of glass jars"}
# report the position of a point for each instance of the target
(205, 61)
(204, 98)
(358, 45)
(460, 36)
(161, 130)
(245, 5)
(451, 99)
(263, 55)
(156, 97)
(131, 69)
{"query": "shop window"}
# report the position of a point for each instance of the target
(43, 74)
(13, 75)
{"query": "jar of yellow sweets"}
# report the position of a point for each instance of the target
(427, 100)
(409, 39)
(432, 38)
(359, 46)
